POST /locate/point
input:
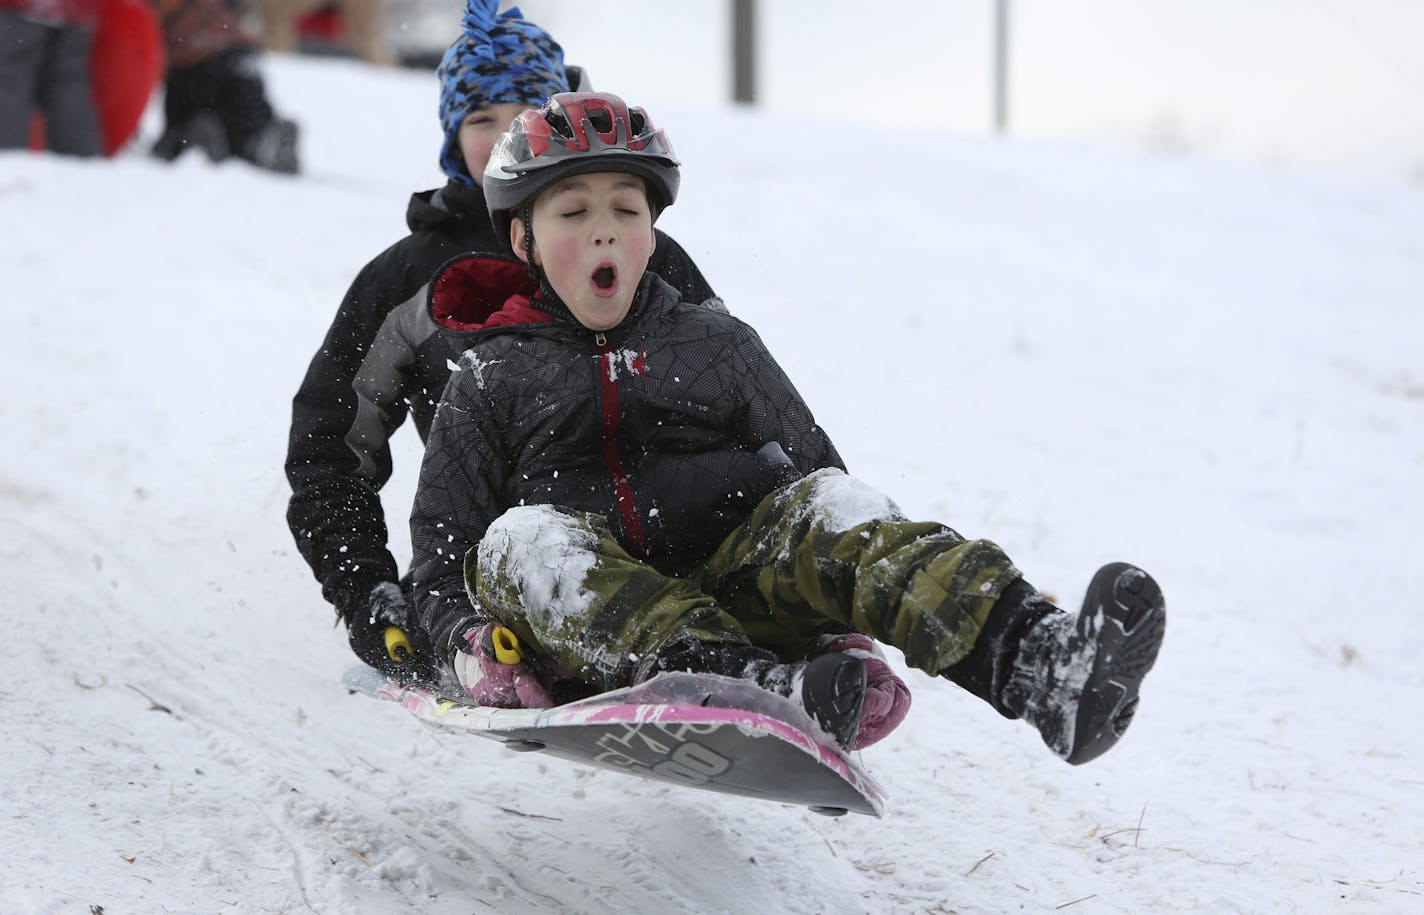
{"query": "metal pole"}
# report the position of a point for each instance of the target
(1001, 66)
(744, 51)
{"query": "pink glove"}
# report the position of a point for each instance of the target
(887, 698)
(488, 682)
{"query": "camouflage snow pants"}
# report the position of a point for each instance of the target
(826, 553)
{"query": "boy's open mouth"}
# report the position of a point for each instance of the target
(604, 277)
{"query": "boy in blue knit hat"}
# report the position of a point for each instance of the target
(382, 360)
(488, 76)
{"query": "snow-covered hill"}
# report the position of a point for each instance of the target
(1213, 372)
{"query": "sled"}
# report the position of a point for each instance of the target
(694, 730)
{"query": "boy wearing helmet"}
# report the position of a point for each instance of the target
(381, 360)
(631, 485)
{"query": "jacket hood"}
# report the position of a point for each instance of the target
(478, 291)
(474, 292)
(452, 206)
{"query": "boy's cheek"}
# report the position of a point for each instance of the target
(649, 242)
(563, 253)
(640, 250)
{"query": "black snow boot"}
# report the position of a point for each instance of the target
(831, 688)
(1076, 678)
(204, 132)
(274, 147)
(986, 670)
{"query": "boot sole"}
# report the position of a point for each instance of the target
(1125, 607)
(833, 691)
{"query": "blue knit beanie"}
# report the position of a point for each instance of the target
(498, 59)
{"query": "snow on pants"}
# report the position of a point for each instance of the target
(822, 554)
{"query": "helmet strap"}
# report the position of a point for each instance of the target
(546, 292)
(526, 213)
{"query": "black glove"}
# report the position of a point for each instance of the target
(368, 615)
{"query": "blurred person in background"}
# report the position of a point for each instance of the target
(214, 96)
(363, 23)
(44, 66)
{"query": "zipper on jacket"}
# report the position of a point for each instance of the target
(622, 490)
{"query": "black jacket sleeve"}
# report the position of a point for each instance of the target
(775, 411)
(335, 512)
(459, 494)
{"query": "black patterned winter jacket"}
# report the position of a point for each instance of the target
(381, 360)
(656, 425)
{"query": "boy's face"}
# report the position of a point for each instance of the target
(593, 235)
(480, 129)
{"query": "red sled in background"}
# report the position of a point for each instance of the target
(126, 65)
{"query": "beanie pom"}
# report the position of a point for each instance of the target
(497, 59)
(478, 21)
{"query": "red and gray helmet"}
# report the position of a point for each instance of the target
(573, 133)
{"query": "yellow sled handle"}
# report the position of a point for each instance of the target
(506, 646)
(398, 645)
